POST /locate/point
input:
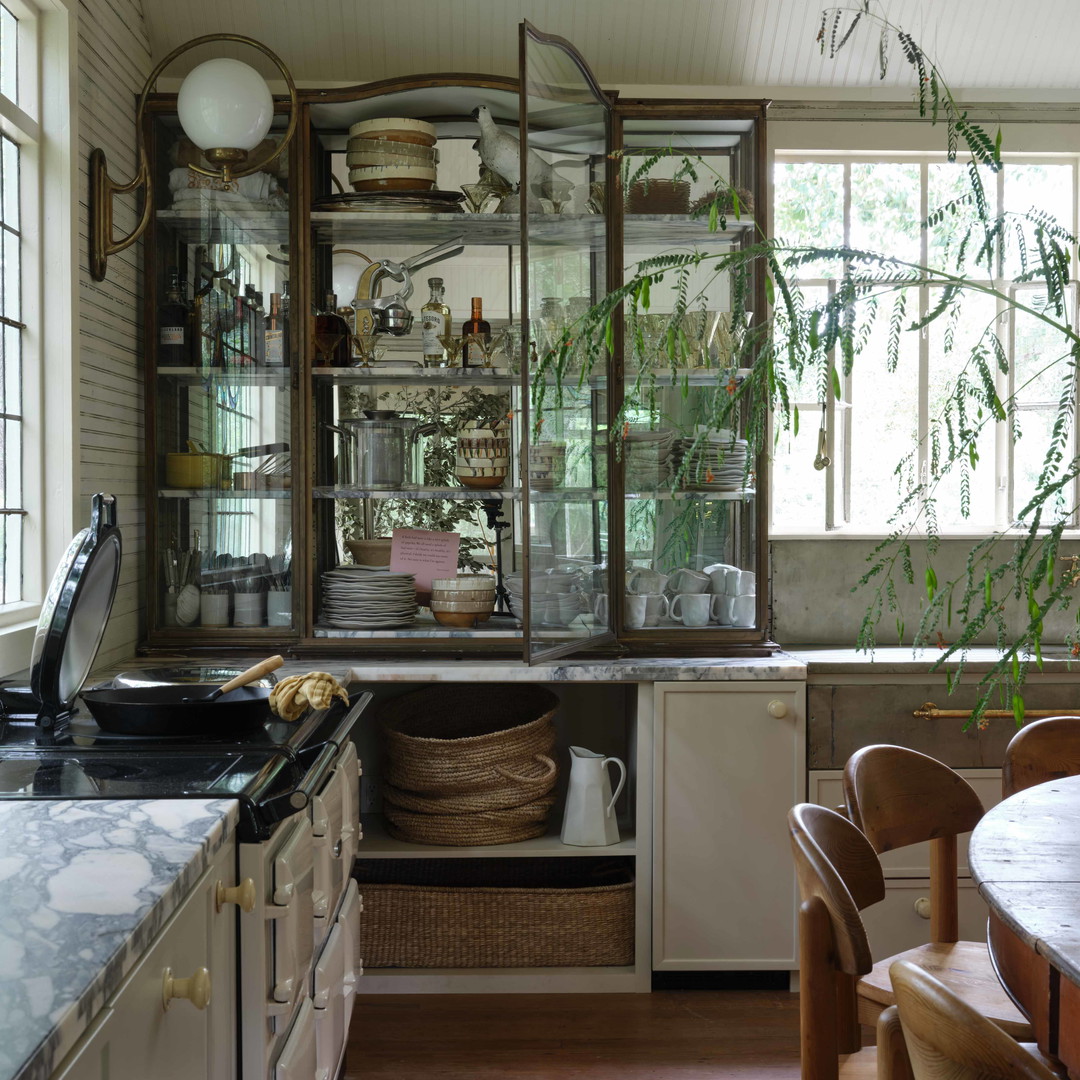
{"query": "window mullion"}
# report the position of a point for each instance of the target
(843, 482)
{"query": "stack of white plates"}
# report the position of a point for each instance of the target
(391, 153)
(555, 599)
(713, 462)
(355, 599)
(648, 458)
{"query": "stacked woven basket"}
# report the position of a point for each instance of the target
(391, 153)
(468, 767)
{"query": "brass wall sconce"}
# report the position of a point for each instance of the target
(226, 110)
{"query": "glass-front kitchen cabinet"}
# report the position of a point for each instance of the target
(315, 381)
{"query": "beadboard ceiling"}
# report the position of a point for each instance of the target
(767, 44)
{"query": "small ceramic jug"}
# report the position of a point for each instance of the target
(589, 820)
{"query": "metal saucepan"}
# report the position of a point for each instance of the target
(162, 710)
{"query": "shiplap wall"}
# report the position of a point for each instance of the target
(114, 60)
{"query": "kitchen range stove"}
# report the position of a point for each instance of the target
(272, 772)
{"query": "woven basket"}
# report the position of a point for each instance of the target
(505, 826)
(531, 913)
(658, 197)
(446, 740)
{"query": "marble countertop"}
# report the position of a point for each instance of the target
(84, 887)
(898, 660)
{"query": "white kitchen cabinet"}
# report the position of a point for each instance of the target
(146, 1029)
(729, 763)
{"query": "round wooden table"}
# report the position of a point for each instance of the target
(1025, 857)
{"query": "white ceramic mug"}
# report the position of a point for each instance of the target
(724, 614)
(743, 609)
(693, 609)
(279, 607)
(600, 607)
(718, 576)
(685, 580)
(656, 608)
(644, 581)
(634, 611)
(741, 583)
(214, 609)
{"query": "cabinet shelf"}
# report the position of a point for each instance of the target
(255, 376)
(459, 493)
(450, 377)
(702, 496)
(218, 493)
(378, 844)
(218, 223)
(426, 627)
(504, 230)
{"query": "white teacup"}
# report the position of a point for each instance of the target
(642, 580)
(694, 609)
(743, 609)
(685, 580)
(656, 608)
(723, 612)
(718, 576)
(600, 607)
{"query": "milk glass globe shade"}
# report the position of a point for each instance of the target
(225, 103)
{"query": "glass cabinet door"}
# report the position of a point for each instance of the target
(691, 493)
(219, 385)
(565, 130)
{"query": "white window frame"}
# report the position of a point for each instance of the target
(837, 476)
(44, 126)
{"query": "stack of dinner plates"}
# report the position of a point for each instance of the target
(391, 153)
(712, 462)
(356, 599)
(648, 458)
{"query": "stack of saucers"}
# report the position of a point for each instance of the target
(391, 153)
(648, 458)
(463, 601)
(712, 462)
(355, 599)
(554, 601)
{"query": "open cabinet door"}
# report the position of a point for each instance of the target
(565, 141)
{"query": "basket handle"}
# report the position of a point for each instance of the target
(543, 759)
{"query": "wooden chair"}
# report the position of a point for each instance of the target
(1044, 750)
(899, 797)
(838, 873)
(946, 1039)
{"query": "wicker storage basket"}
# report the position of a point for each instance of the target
(658, 197)
(497, 913)
(448, 740)
(497, 826)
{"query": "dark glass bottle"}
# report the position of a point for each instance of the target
(332, 341)
(476, 325)
(174, 325)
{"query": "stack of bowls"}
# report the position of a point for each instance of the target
(547, 466)
(392, 153)
(555, 598)
(463, 601)
(483, 458)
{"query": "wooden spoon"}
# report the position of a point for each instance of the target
(264, 667)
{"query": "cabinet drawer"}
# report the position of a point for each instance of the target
(894, 924)
(827, 789)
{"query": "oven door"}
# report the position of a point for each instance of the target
(291, 912)
(335, 826)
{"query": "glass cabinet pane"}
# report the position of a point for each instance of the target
(220, 368)
(691, 517)
(566, 127)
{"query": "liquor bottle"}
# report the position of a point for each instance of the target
(476, 325)
(174, 325)
(434, 323)
(333, 345)
(274, 334)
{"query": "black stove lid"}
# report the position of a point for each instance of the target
(76, 611)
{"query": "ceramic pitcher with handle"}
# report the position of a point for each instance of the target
(589, 820)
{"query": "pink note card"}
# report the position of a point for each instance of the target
(425, 554)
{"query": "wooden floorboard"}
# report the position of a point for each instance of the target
(665, 1035)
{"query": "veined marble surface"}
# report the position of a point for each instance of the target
(84, 887)
(640, 669)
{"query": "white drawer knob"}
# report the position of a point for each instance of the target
(196, 989)
(242, 895)
(778, 709)
(922, 907)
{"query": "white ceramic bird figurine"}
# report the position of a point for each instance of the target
(501, 152)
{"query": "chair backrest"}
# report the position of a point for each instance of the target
(900, 797)
(839, 874)
(947, 1039)
(1044, 750)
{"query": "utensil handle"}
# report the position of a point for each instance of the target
(264, 667)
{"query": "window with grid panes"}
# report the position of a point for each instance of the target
(878, 204)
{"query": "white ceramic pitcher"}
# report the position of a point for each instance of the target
(589, 820)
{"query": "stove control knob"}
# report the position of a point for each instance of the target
(195, 989)
(242, 894)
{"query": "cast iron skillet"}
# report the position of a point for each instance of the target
(161, 710)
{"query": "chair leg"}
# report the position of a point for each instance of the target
(817, 993)
(893, 1062)
(848, 1033)
(944, 900)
